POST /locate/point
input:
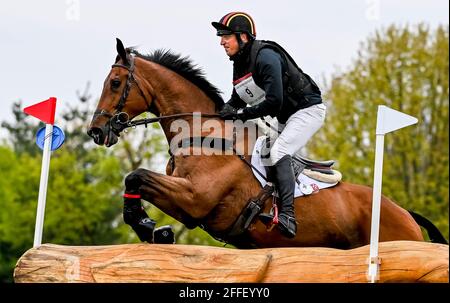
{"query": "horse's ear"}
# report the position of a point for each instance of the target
(121, 51)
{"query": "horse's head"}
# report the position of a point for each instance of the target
(122, 99)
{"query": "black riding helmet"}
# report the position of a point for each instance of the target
(235, 23)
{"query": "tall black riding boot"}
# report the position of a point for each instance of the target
(284, 180)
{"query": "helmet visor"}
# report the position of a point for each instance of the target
(222, 29)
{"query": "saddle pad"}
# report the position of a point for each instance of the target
(306, 185)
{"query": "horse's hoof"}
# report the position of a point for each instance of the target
(164, 235)
(144, 229)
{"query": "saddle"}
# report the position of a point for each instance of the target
(302, 164)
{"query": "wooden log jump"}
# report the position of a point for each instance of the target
(401, 261)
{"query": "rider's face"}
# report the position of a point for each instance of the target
(230, 43)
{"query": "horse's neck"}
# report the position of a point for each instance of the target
(173, 94)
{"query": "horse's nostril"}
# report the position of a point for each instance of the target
(95, 133)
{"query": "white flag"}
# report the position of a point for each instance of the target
(389, 119)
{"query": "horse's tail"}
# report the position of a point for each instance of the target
(433, 232)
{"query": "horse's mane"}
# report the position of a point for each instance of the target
(185, 68)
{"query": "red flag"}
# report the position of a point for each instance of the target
(44, 111)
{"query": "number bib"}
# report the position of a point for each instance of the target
(249, 92)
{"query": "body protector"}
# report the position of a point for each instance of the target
(299, 90)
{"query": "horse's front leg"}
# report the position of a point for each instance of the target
(173, 195)
(133, 211)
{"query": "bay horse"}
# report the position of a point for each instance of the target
(211, 191)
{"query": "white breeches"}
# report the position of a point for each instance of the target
(299, 128)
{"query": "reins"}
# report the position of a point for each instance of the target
(147, 121)
(158, 119)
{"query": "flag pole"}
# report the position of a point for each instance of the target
(388, 120)
(44, 111)
(43, 185)
(374, 261)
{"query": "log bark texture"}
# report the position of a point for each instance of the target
(401, 261)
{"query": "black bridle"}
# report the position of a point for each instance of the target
(120, 119)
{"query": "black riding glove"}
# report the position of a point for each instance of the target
(228, 112)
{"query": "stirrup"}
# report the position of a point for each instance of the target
(271, 219)
(266, 218)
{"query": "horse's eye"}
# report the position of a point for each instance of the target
(115, 83)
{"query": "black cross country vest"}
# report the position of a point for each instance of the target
(299, 89)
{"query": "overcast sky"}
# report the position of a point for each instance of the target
(52, 48)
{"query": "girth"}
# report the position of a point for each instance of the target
(237, 230)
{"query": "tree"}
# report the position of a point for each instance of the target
(83, 204)
(405, 68)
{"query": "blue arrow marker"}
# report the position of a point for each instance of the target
(58, 138)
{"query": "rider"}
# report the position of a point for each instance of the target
(266, 78)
